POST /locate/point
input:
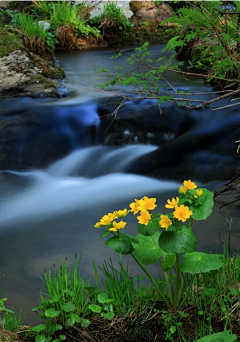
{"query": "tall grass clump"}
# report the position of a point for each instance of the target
(30, 27)
(72, 16)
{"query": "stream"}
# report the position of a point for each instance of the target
(63, 173)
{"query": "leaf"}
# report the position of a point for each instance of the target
(85, 322)
(204, 205)
(148, 250)
(103, 298)
(224, 336)
(168, 262)
(108, 315)
(54, 299)
(68, 307)
(40, 338)
(73, 318)
(120, 244)
(106, 233)
(39, 327)
(198, 262)
(180, 241)
(95, 308)
(52, 313)
(151, 228)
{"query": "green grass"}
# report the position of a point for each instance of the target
(30, 26)
(13, 321)
(212, 305)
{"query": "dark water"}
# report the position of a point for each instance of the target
(47, 212)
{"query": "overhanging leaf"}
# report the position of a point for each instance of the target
(52, 312)
(120, 244)
(224, 336)
(180, 241)
(204, 207)
(198, 262)
(151, 228)
(148, 250)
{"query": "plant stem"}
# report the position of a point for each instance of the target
(187, 293)
(190, 223)
(152, 280)
(178, 287)
(170, 289)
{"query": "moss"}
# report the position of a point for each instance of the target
(9, 42)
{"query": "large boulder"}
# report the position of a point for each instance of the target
(21, 75)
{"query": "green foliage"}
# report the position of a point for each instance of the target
(152, 244)
(127, 293)
(224, 336)
(62, 14)
(30, 27)
(65, 303)
(12, 321)
(112, 17)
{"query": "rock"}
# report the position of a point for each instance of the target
(19, 76)
(146, 11)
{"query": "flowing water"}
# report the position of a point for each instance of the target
(47, 212)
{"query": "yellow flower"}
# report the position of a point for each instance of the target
(98, 225)
(134, 207)
(173, 203)
(144, 218)
(182, 213)
(165, 221)
(107, 219)
(146, 203)
(189, 185)
(117, 226)
(199, 192)
(182, 190)
(121, 213)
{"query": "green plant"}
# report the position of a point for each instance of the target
(66, 302)
(12, 321)
(204, 22)
(62, 14)
(112, 17)
(129, 295)
(224, 336)
(152, 244)
(105, 306)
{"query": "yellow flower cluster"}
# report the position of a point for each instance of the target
(109, 219)
(187, 185)
(181, 212)
(143, 205)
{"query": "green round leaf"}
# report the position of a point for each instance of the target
(108, 315)
(198, 262)
(120, 244)
(68, 307)
(180, 241)
(204, 206)
(52, 312)
(151, 228)
(40, 338)
(73, 318)
(95, 308)
(148, 250)
(224, 336)
(39, 327)
(84, 322)
(103, 298)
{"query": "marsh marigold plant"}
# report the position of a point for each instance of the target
(162, 237)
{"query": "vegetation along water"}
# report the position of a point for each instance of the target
(126, 120)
